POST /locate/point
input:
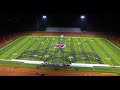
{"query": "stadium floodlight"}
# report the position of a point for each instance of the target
(44, 17)
(82, 17)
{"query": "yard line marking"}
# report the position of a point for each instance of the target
(65, 49)
(74, 46)
(35, 48)
(11, 43)
(111, 51)
(70, 47)
(103, 53)
(58, 55)
(80, 50)
(22, 49)
(52, 45)
(54, 49)
(97, 51)
(108, 54)
(46, 45)
(13, 46)
(30, 48)
(90, 50)
(40, 45)
(85, 47)
(82, 45)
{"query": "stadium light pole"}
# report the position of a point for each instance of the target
(44, 19)
(83, 21)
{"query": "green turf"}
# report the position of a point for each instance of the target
(74, 52)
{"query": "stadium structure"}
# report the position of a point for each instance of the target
(67, 50)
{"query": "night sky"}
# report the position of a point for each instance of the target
(26, 17)
(97, 22)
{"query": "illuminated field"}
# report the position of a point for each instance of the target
(86, 50)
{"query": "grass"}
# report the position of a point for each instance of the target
(73, 52)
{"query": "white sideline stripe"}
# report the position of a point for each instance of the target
(24, 61)
(72, 64)
(88, 65)
(29, 61)
(117, 66)
(11, 43)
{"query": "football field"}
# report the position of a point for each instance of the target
(62, 50)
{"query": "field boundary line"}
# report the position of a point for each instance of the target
(10, 43)
(112, 43)
(13, 47)
(72, 64)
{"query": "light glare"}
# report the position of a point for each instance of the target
(82, 17)
(44, 17)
